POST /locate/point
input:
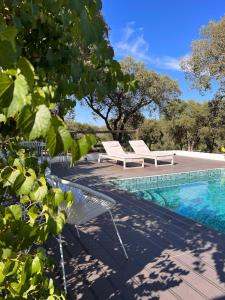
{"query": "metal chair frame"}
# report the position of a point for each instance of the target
(100, 203)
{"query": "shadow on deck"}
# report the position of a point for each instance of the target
(170, 257)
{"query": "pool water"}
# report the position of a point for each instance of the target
(196, 195)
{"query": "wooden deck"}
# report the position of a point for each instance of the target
(170, 257)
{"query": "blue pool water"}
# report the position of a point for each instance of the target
(196, 195)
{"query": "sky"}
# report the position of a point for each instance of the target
(158, 33)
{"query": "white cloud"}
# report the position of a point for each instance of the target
(133, 43)
(168, 62)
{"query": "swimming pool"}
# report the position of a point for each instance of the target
(198, 195)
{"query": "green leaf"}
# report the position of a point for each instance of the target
(59, 196)
(90, 140)
(69, 198)
(60, 222)
(31, 288)
(13, 268)
(26, 186)
(41, 123)
(58, 138)
(65, 137)
(75, 150)
(8, 267)
(7, 47)
(19, 182)
(6, 89)
(2, 276)
(24, 200)
(17, 163)
(5, 82)
(76, 5)
(16, 211)
(9, 34)
(82, 146)
(27, 70)
(85, 26)
(39, 193)
(14, 289)
(10, 177)
(12, 72)
(5, 173)
(25, 120)
(41, 252)
(6, 253)
(33, 213)
(51, 286)
(85, 144)
(54, 143)
(2, 118)
(20, 98)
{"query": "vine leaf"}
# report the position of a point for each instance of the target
(5, 84)
(7, 47)
(41, 123)
(20, 98)
(27, 70)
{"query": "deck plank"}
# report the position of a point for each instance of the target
(170, 257)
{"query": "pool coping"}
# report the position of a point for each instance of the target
(165, 174)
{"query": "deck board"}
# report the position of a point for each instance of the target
(170, 257)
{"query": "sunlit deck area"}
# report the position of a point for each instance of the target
(108, 170)
(170, 257)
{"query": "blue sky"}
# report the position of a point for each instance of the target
(159, 33)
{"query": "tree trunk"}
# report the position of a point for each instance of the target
(192, 145)
(120, 137)
(114, 135)
(189, 146)
(210, 146)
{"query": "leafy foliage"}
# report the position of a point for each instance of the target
(187, 125)
(185, 121)
(142, 90)
(67, 43)
(151, 132)
(49, 52)
(29, 212)
(206, 62)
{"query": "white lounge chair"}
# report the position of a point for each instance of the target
(87, 205)
(142, 149)
(114, 151)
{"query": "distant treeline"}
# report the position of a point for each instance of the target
(186, 125)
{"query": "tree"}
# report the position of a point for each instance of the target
(143, 90)
(187, 125)
(185, 121)
(67, 43)
(206, 62)
(151, 132)
(76, 126)
(213, 134)
(31, 35)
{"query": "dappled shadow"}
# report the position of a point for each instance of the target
(205, 246)
(96, 266)
(168, 254)
(84, 168)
